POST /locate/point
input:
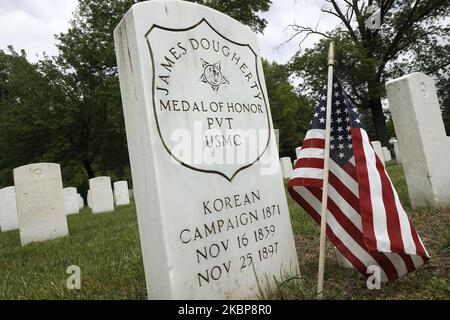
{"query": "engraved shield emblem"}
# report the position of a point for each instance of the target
(209, 105)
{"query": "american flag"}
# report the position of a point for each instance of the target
(365, 221)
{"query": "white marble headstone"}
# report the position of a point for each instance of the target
(80, 202)
(193, 90)
(89, 201)
(40, 202)
(102, 199)
(386, 154)
(71, 200)
(424, 145)
(286, 167)
(121, 195)
(9, 219)
(398, 157)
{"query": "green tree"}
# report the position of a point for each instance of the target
(28, 115)
(291, 112)
(366, 58)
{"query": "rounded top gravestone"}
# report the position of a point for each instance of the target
(121, 193)
(71, 200)
(40, 202)
(101, 194)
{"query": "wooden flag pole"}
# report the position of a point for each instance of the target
(326, 166)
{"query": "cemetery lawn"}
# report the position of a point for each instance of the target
(106, 247)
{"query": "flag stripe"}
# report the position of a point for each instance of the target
(309, 163)
(346, 179)
(356, 234)
(345, 192)
(305, 182)
(314, 143)
(311, 153)
(378, 220)
(352, 240)
(315, 133)
(354, 260)
(310, 173)
(350, 169)
(364, 190)
(392, 219)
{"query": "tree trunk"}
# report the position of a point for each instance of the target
(380, 122)
(88, 167)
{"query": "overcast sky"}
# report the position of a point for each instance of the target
(32, 24)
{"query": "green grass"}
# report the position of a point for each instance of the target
(106, 247)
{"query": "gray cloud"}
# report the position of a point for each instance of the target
(31, 24)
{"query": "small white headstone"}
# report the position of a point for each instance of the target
(425, 148)
(101, 194)
(397, 152)
(378, 150)
(121, 195)
(71, 200)
(40, 202)
(80, 202)
(187, 71)
(286, 167)
(386, 154)
(89, 201)
(9, 219)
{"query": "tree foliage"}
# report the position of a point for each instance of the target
(245, 11)
(291, 112)
(367, 58)
(28, 115)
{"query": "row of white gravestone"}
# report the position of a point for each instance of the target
(106, 197)
(37, 204)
